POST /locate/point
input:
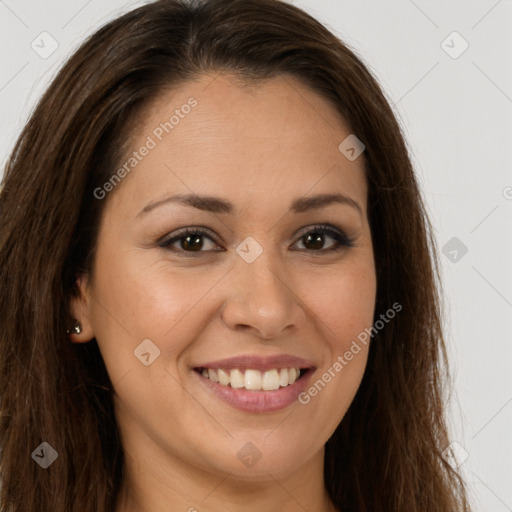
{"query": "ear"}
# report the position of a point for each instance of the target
(80, 307)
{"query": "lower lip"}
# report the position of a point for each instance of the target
(258, 401)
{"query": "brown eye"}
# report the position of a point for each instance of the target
(314, 239)
(190, 240)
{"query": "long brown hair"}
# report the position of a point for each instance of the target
(386, 454)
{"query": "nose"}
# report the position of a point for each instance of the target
(261, 299)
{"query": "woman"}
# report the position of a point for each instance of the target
(218, 279)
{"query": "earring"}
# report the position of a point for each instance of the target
(76, 329)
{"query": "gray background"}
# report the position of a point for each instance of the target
(456, 113)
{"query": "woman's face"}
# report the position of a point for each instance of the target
(258, 293)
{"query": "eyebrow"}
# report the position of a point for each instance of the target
(218, 205)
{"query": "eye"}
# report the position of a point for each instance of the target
(314, 238)
(192, 240)
(189, 239)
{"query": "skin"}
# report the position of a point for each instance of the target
(260, 147)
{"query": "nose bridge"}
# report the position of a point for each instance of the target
(264, 278)
(261, 281)
(259, 296)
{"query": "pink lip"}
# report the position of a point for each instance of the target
(258, 401)
(255, 362)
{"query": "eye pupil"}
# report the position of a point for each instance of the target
(316, 240)
(197, 243)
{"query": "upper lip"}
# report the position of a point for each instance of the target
(255, 362)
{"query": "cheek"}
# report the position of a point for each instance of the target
(343, 307)
(148, 299)
(344, 303)
(133, 301)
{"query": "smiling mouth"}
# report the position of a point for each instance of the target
(253, 380)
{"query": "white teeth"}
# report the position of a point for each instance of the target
(270, 380)
(293, 373)
(223, 378)
(236, 378)
(254, 380)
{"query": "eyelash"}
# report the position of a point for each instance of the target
(341, 239)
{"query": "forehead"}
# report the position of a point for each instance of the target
(258, 141)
